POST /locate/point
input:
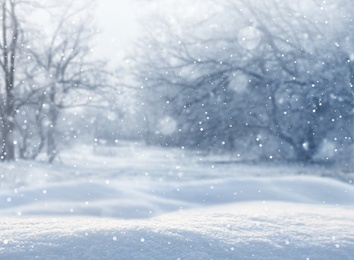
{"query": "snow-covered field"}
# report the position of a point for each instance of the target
(133, 202)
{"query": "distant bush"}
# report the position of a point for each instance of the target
(345, 159)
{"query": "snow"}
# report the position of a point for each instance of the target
(252, 230)
(134, 202)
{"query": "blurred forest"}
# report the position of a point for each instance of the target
(268, 80)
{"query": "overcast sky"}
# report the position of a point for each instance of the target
(118, 20)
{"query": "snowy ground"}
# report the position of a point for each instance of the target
(139, 203)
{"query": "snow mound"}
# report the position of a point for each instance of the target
(252, 230)
(144, 199)
(143, 203)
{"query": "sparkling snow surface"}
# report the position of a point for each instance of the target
(132, 202)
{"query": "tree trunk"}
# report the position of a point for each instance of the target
(8, 141)
(51, 138)
(303, 155)
(8, 67)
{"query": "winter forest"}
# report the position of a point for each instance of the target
(165, 129)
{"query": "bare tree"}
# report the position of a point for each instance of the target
(261, 73)
(44, 72)
(70, 75)
(9, 45)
